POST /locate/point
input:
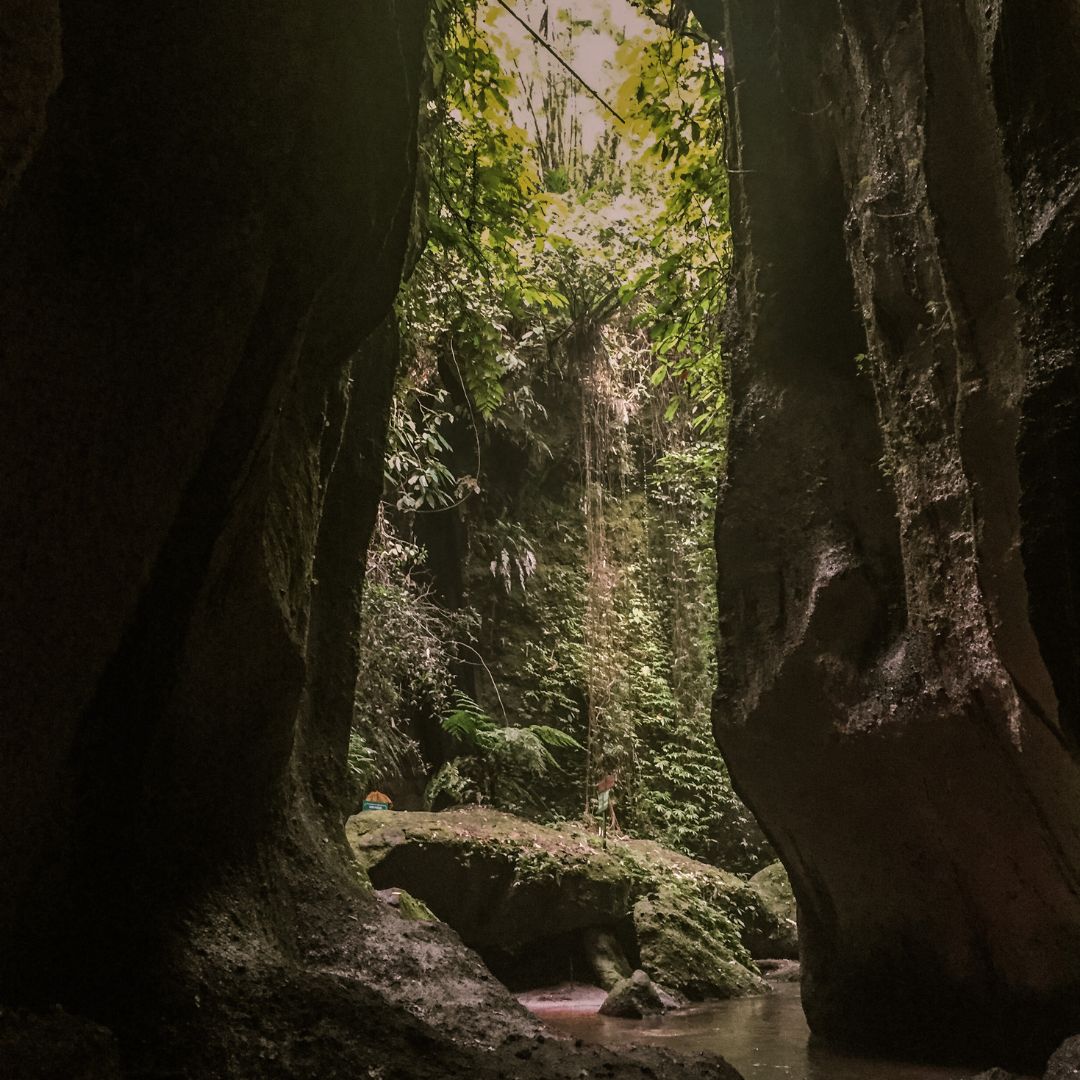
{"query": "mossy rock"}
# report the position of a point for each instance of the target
(606, 956)
(689, 945)
(781, 939)
(633, 997)
(414, 910)
(500, 882)
(511, 887)
(775, 888)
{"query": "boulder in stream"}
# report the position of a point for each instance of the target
(633, 998)
(544, 905)
(688, 944)
(780, 970)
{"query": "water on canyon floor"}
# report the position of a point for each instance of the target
(763, 1037)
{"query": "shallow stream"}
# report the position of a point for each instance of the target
(763, 1037)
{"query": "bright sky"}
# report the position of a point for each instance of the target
(590, 51)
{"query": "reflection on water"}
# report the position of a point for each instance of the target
(761, 1036)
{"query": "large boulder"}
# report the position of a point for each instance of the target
(499, 881)
(525, 895)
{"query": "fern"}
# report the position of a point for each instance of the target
(555, 738)
(502, 762)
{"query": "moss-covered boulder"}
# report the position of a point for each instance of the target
(773, 885)
(780, 938)
(634, 997)
(606, 957)
(535, 900)
(687, 944)
(499, 881)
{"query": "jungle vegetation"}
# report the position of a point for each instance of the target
(539, 606)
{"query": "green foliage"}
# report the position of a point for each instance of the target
(407, 649)
(675, 95)
(502, 762)
(482, 735)
(415, 467)
(529, 233)
(483, 215)
(534, 638)
(513, 560)
(562, 402)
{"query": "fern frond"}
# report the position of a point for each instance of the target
(553, 737)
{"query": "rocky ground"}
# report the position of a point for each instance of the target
(377, 995)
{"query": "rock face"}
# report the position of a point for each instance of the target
(56, 1046)
(899, 696)
(543, 905)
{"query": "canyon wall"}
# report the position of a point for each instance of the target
(203, 217)
(899, 694)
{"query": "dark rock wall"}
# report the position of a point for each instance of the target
(203, 216)
(897, 538)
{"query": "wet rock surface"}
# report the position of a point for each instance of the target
(897, 534)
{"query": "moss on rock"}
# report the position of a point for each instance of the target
(688, 945)
(779, 937)
(414, 910)
(774, 888)
(507, 885)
